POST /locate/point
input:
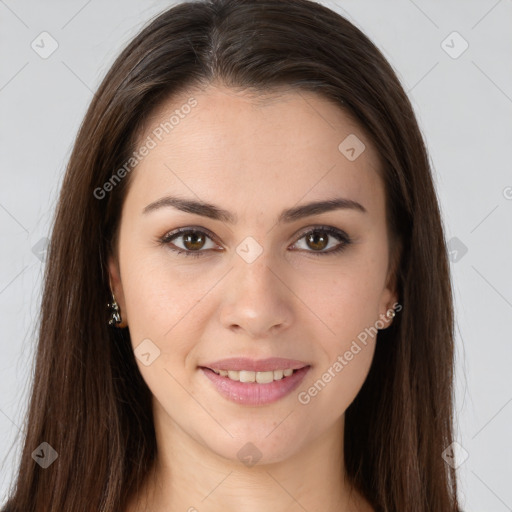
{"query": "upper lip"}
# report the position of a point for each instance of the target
(255, 365)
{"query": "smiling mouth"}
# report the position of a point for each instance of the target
(252, 388)
(250, 376)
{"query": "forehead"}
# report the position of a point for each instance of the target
(251, 149)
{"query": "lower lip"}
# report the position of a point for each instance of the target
(252, 393)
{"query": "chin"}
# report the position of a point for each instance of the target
(249, 449)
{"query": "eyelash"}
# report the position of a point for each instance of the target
(335, 233)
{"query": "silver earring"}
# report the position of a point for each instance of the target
(391, 313)
(115, 315)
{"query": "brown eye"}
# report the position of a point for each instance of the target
(193, 241)
(318, 239)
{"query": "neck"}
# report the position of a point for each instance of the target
(188, 476)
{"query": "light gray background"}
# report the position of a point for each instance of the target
(464, 106)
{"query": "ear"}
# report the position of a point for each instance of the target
(117, 287)
(389, 300)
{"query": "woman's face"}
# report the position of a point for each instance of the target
(262, 278)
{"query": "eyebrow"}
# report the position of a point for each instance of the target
(287, 216)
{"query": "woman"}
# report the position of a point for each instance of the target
(251, 195)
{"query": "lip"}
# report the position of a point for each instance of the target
(253, 393)
(255, 365)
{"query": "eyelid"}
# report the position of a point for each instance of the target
(188, 229)
(343, 238)
(339, 234)
(320, 227)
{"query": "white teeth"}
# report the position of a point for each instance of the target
(278, 374)
(249, 376)
(234, 375)
(264, 377)
(245, 376)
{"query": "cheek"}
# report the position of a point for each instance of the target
(162, 323)
(165, 303)
(347, 297)
(154, 291)
(348, 304)
(350, 311)
(331, 390)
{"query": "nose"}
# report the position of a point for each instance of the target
(258, 298)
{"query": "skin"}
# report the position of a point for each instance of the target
(255, 157)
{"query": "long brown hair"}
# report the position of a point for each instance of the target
(88, 399)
